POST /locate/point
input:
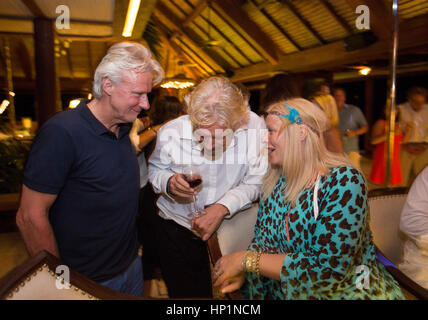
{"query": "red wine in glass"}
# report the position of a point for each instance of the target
(193, 180)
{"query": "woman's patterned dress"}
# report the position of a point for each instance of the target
(332, 257)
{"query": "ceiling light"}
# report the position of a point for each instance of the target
(131, 16)
(74, 103)
(4, 105)
(365, 71)
(178, 82)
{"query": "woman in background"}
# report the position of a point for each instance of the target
(378, 138)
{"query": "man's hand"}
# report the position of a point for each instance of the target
(207, 224)
(180, 190)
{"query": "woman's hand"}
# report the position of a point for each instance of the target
(228, 273)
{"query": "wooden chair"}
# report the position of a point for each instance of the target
(35, 279)
(385, 211)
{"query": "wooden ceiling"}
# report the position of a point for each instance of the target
(247, 40)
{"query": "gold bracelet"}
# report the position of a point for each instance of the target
(258, 263)
(251, 262)
(244, 261)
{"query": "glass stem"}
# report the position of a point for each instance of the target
(195, 207)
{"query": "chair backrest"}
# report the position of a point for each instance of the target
(38, 278)
(385, 211)
(235, 234)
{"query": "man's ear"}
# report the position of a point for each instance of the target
(107, 86)
(303, 132)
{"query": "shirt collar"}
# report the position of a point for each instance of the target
(98, 127)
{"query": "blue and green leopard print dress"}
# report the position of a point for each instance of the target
(323, 254)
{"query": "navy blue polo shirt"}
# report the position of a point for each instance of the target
(95, 176)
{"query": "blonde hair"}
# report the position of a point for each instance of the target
(125, 56)
(304, 157)
(216, 100)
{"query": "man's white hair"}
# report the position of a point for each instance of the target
(125, 56)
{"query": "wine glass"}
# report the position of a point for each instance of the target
(193, 177)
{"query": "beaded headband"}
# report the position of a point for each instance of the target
(293, 116)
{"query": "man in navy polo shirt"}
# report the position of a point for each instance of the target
(81, 182)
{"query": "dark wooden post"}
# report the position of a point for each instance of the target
(46, 85)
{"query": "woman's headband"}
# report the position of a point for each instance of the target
(293, 116)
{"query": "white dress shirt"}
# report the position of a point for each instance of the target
(419, 119)
(233, 180)
(414, 223)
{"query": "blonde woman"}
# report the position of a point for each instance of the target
(312, 237)
(218, 138)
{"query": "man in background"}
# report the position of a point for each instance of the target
(414, 123)
(352, 124)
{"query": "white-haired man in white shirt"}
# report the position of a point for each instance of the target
(224, 140)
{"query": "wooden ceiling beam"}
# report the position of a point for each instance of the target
(302, 19)
(143, 17)
(244, 26)
(34, 8)
(284, 33)
(164, 33)
(119, 16)
(162, 12)
(226, 40)
(212, 51)
(202, 4)
(178, 53)
(196, 57)
(412, 35)
(223, 36)
(337, 17)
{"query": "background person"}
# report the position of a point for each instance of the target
(352, 124)
(378, 138)
(414, 123)
(319, 94)
(414, 223)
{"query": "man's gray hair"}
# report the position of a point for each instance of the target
(125, 56)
